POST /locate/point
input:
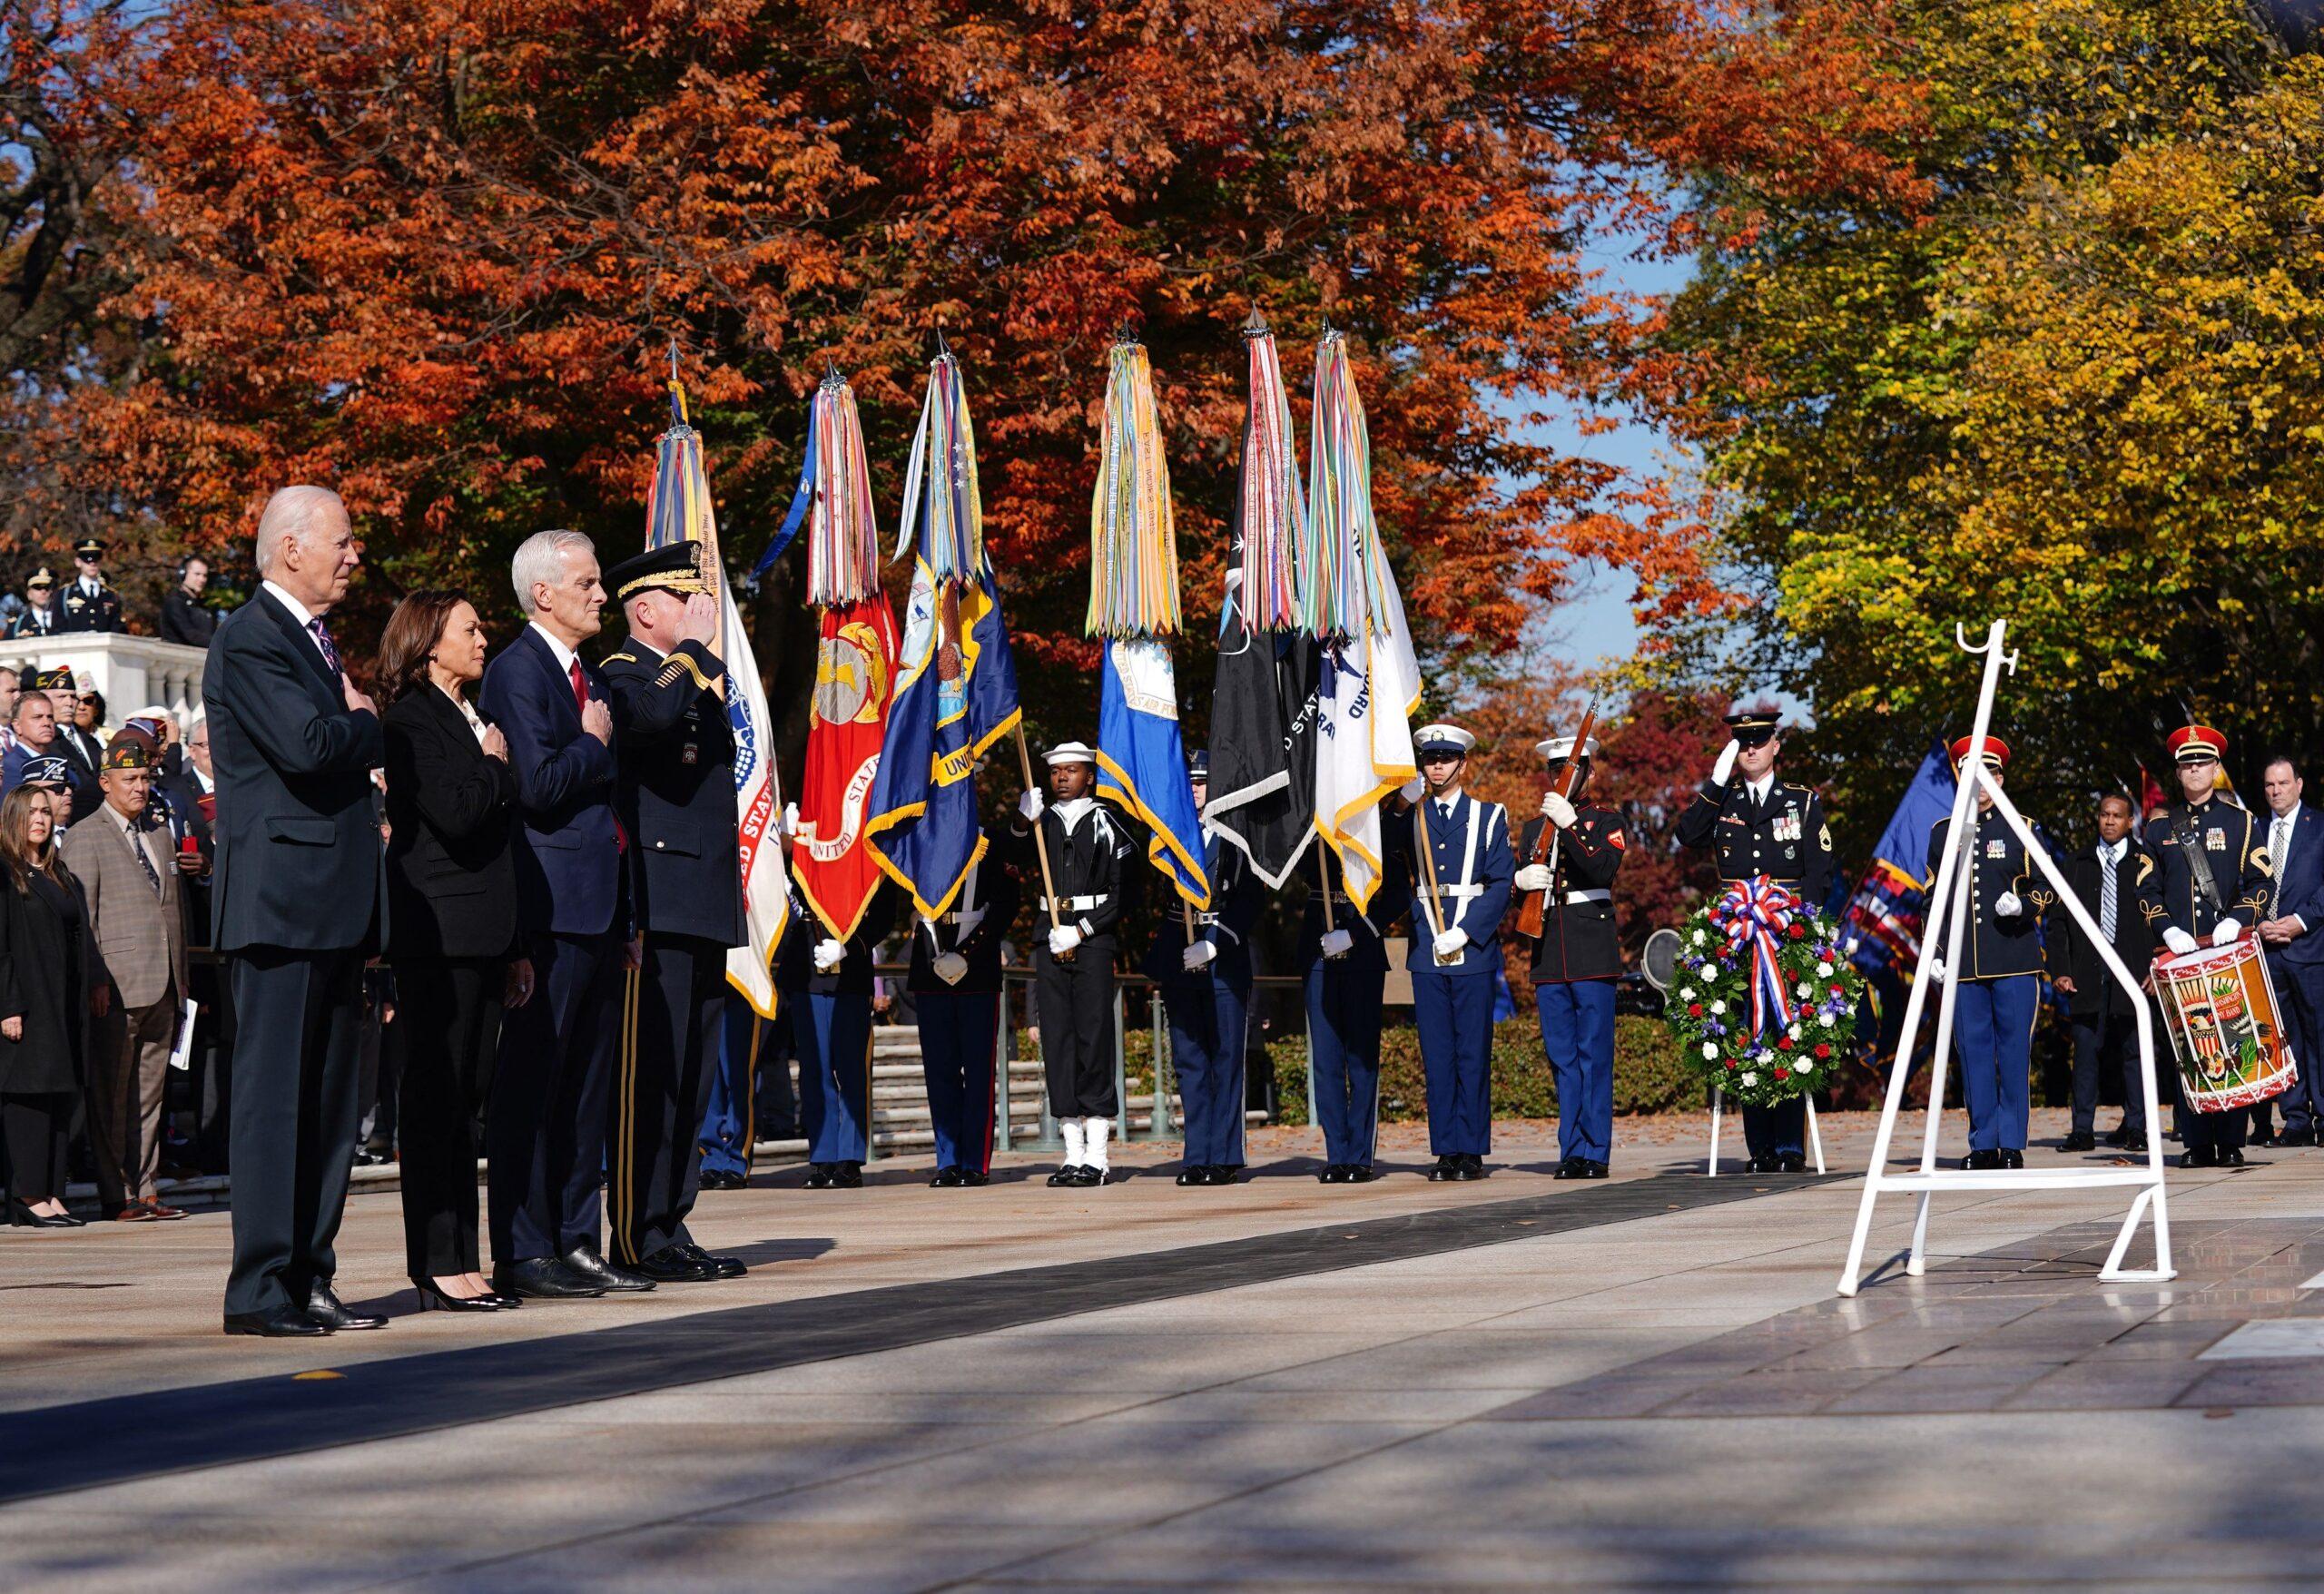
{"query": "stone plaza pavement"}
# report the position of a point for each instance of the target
(1646, 1382)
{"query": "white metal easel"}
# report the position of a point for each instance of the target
(1949, 906)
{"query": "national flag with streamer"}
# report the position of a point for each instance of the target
(956, 683)
(1368, 684)
(855, 662)
(1880, 929)
(678, 507)
(1134, 607)
(1264, 701)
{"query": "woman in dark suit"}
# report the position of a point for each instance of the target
(43, 1008)
(451, 929)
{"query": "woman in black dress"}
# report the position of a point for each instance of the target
(44, 1007)
(451, 929)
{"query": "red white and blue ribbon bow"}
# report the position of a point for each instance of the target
(1759, 911)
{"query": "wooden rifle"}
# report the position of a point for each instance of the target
(1534, 909)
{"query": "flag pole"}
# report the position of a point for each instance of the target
(1040, 841)
(1324, 885)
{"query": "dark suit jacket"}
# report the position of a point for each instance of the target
(2074, 955)
(186, 620)
(2301, 893)
(568, 864)
(298, 859)
(451, 873)
(79, 775)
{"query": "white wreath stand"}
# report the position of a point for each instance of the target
(1949, 906)
(1718, 1110)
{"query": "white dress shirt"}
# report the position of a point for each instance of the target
(305, 617)
(564, 656)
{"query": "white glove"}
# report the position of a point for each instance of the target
(830, 955)
(1533, 877)
(790, 820)
(2229, 929)
(1559, 811)
(1724, 770)
(1063, 940)
(950, 967)
(1412, 790)
(1936, 971)
(2008, 906)
(1030, 806)
(1450, 942)
(2178, 941)
(1336, 943)
(1198, 956)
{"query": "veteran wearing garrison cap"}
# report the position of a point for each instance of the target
(1755, 824)
(1997, 992)
(675, 796)
(2210, 883)
(1461, 869)
(88, 604)
(1579, 956)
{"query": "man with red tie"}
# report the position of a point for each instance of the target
(545, 1127)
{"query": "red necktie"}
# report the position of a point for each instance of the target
(581, 701)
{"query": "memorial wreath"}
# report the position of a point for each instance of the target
(1762, 1004)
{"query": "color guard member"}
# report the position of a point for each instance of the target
(1578, 957)
(956, 989)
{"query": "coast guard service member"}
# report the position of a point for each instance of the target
(1761, 825)
(1998, 991)
(1205, 984)
(1461, 869)
(1578, 957)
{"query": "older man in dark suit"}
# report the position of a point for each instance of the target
(545, 1129)
(2293, 934)
(298, 905)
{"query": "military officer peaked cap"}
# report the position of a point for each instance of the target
(674, 567)
(50, 771)
(89, 548)
(1198, 764)
(1070, 752)
(1996, 752)
(1752, 726)
(42, 579)
(2194, 744)
(1442, 738)
(1560, 749)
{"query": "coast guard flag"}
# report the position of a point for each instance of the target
(678, 507)
(956, 685)
(1142, 762)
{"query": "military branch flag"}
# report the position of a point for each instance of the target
(855, 662)
(1263, 704)
(1368, 683)
(956, 683)
(679, 507)
(1134, 607)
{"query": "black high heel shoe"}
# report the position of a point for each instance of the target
(21, 1215)
(432, 1298)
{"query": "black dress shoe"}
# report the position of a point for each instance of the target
(1570, 1169)
(1762, 1165)
(672, 1266)
(975, 1178)
(723, 1267)
(1066, 1178)
(1792, 1162)
(2134, 1143)
(1982, 1161)
(2120, 1134)
(1447, 1168)
(1088, 1178)
(1361, 1173)
(2079, 1140)
(1592, 1169)
(279, 1323)
(2297, 1138)
(1331, 1174)
(1468, 1167)
(2012, 1157)
(2196, 1157)
(847, 1175)
(2228, 1156)
(1193, 1173)
(722, 1179)
(585, 1261)
(543, 1278)
(819, 1175)
(330, 1311)
(947, 1178)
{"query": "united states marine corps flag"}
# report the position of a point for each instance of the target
(956, 681)
(855, 661)
(1134, 608)
(1369, 682)
(1263, 705)
(679, 507)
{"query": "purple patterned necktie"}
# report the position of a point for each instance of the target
(322, 640)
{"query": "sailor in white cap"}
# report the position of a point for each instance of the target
(1073, 958)
(1461, 869)
(1578, 957)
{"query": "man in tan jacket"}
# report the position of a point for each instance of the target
(129, 874)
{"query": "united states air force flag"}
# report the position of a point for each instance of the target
(1142, 762)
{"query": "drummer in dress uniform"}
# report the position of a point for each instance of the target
(1578, 957)
(956, 988)
(1461, 867)
(88, 604)
(675, 796)
(1759, 825)
(1346, 985)
(1089, 850)
(1997, 994)
(1206, 985)
(2210, 883)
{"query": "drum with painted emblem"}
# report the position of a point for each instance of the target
(2225, 1025)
